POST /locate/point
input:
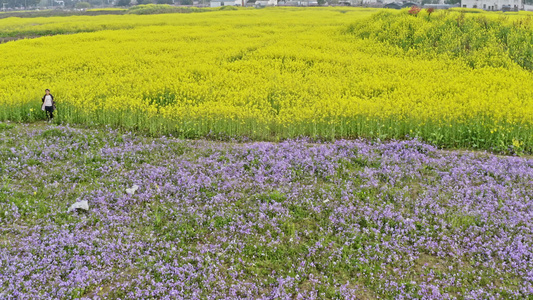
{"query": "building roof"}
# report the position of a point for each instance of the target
(410, 4)
(392, 5)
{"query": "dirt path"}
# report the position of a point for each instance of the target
(16, 38)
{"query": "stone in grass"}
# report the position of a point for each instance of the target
(80, 204)
(132, 190)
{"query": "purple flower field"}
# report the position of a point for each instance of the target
(292, 220)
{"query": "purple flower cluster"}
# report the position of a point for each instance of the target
(292, 220)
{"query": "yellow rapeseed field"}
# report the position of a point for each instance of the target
(265, 74)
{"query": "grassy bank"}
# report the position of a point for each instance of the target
(258, 220)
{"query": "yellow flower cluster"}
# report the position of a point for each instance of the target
(260, 73)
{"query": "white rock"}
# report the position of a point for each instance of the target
(132, 190)
(80, 204)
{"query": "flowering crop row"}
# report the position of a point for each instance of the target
(264, 74)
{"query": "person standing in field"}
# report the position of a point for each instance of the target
(48, 105)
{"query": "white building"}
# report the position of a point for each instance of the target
(493, 4)
(218, 3)
(266, 3)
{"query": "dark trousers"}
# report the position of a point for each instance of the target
(49, 112)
